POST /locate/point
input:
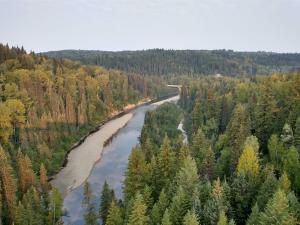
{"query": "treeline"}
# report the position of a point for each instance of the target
(46, 105)
(190, 62)
(241, 165)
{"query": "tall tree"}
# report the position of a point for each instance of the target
(90, 215)
(107, 197)
(190, 218)
(248, 162)
(114, 216)
(277, 211)
(8, 187)
(138, 213)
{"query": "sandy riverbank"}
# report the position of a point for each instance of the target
(83, 157)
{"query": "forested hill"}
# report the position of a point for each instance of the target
(46, 105)
(167, 62)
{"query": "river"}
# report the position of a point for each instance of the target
(109, 164)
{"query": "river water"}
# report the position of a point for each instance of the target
(112, 165)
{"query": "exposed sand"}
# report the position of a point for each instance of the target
(82, 158)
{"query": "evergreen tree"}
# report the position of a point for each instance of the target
(292, 167)
(138, 213)
(297, 134)
(55, 204)
(166, 163)
(208, 164)
(159, 208)
(180, 204)
(222, 219)
(25, 172)
(277, 211)
(197, 116)
(254, 217)
(187, 177)
(136, 174)
(166, 220)
(114, 216)
(107, 197)
(199, 147)
(276, 152)
(237, 131)
(284, 183)
(190, 218)
(90, 216)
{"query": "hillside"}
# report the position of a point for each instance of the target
(168, 62)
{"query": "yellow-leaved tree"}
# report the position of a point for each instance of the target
(248, 162)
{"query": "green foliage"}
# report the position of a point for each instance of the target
(277, 211)
(114, 216)
(138, 212)
(190, 219)
(107, 197)
(169, 62)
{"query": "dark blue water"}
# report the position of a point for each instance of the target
(111, 167)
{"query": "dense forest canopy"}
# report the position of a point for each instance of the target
(46, 105)
(196, 62)
(240, 166)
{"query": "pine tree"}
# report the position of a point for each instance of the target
(138, 212)
(276, 152)
(136, 174)
(8, 186)
(197, 116)
(254, 217)
(114, 216)
(297, 134)
(237, 131)
(166, 220)
(277, 211)
(265, 115)
(199, 147)
(166, 163)
(159, 208)
(180, 204)
(292, 167)
(208, 164)
(187, 177)
(284, 183)
(90, 215)
(190, 218)
(107, 197)
(55, 204)
(222, 219)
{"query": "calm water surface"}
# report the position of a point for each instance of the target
(111, 167)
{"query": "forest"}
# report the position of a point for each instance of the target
(187, 62)
(46, 105)
(241, 164)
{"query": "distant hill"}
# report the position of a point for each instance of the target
(168, 62)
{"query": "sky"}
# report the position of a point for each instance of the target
(241, 25)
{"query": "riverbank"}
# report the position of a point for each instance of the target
(87, 151)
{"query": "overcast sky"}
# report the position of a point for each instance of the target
(244, 25)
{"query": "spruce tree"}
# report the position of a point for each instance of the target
(107, 197)
(44, 178)
(297, 134)
(222, 219)
(190, 218)
(114, 216)
(277, 211)
(199, 147)
(90, 215)
(254, 217)
(159, 208)
(248, 162)
(138, 213)
(166, 220)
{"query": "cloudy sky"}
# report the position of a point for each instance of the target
(245, 25)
